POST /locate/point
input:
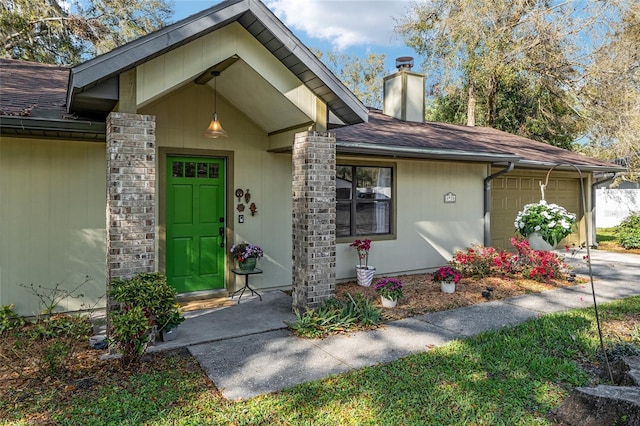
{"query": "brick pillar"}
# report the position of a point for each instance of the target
(314, 219)
(131, 189)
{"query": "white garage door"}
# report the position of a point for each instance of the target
(510, 192)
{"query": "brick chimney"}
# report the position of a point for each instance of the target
(404, 92)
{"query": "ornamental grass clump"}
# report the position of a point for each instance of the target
(389, 288)
(552, 221)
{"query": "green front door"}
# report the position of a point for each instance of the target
(195, 223)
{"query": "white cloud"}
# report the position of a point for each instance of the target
(343, 23)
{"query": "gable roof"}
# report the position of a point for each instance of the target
(387, 136)
(255, 17)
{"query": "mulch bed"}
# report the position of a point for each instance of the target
(421, 295)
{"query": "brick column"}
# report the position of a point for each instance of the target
(314, 219)
(131, 189)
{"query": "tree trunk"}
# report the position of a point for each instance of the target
(490, 115)
(471, 104)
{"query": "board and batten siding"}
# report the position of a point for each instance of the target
(52, 221)
(428, 230)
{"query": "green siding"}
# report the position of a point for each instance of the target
(52, 220)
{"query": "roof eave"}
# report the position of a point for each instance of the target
(52, 128)
(423, 153)
(570, 166)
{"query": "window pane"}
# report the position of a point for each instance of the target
(343, 219)
(190, 170)
(214, 172)
(373, 218)
(344, 182)
(177, 169)
(202, 170)
(373, 183)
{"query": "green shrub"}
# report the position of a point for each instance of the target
(628, 232)
(130, 331)
(62, 325)
(147, 305)
(153, 294)
(9, 320)
(52, 361)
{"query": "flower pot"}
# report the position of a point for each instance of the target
(249, 264)
(536, 242)
(388, 303)
(447, 286)
(364, 275)
(168, 335)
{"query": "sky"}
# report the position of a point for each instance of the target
(353, 27)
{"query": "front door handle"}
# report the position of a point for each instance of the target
(221, 233)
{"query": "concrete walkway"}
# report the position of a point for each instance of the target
(247, 351)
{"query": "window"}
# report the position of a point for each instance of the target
(363, 200)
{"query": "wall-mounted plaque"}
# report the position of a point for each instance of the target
(449, 197)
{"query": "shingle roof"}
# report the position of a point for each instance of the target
(445, 140)
(28, 86)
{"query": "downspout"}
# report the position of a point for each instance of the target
(593, 206)
(487, 201)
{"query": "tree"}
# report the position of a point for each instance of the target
(49, 31)
(501, 52)
(363, 78)
(611, 93)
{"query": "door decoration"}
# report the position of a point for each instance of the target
(246, 195)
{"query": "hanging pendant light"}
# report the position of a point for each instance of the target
(215, 129)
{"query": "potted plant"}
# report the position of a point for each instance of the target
(389, 290)
(448, 277)
(169, 323)
(544, 225)
(247, 255)
(364, 272)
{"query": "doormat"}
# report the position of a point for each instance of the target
(197, 305)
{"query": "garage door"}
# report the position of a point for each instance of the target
(510, 192)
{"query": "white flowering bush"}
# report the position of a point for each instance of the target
(552, 221)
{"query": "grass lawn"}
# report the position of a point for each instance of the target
(606, 238)
(511, 376)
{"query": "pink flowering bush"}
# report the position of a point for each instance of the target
(538, 265)
(478, 261)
